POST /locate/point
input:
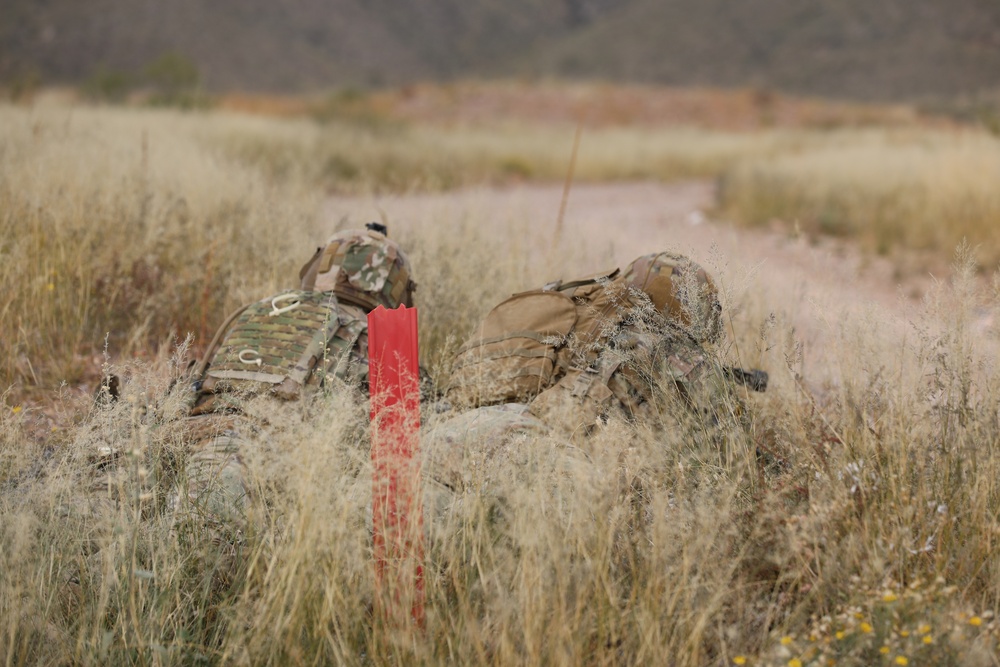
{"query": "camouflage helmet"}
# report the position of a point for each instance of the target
(363, 267)
(679, 289)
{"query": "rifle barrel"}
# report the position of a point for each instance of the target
(754, 378)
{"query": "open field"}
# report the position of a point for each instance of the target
(873, 543)
(890, 190)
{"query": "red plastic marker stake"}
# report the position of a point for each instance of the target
(394, 382)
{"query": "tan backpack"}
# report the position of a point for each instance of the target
(526, 343)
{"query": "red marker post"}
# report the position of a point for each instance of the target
(394, 382)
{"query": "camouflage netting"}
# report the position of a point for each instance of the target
(681, 290)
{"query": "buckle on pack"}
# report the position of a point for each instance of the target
(275, 310)
(552, 286)
(253, 362)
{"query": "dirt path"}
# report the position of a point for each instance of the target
(826, 293)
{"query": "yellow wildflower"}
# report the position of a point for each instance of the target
(16, 409)
(866, 628)
(884, 650)
(924, 629)
(976, 621)
(928, 639)
(51, 287)
(794, 662)
(786, 640)
(740, 660)
(889, 597)
(905, 633)
(841, 634)
(901, 660)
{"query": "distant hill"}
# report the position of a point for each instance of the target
(866, 49)
(281, 45)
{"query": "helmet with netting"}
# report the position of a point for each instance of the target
(679, 289)
(363, 267)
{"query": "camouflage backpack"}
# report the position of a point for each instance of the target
(285, 344)
(290, 342)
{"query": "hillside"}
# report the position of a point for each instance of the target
(889, 49)
(293, 45)
(855, 48)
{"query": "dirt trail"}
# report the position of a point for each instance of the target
(825, 291)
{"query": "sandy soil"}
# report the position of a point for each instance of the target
(831, 296)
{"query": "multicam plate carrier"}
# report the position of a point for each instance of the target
(285, 343)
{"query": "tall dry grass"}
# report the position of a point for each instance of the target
(146, 225)
(393, 155)
(848, 515)
(125, 225)
(893, 189)
(868, 526)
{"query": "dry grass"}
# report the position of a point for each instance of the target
(489, 103)
(893, 189)
(124, 224)
(380, 154)
(105, 213)
(641, 545)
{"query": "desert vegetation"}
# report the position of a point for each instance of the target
(892, 189)
(847, 516)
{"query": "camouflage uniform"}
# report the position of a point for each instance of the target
(649, 346)
(638, 335)
(282, 349)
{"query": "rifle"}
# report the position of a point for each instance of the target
(754, 379)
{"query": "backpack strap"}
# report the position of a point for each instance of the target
(307, 275)
(570, 286)
(478, 342)
(213, 347)
(346, 339)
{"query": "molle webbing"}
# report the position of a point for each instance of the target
(275, 343)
